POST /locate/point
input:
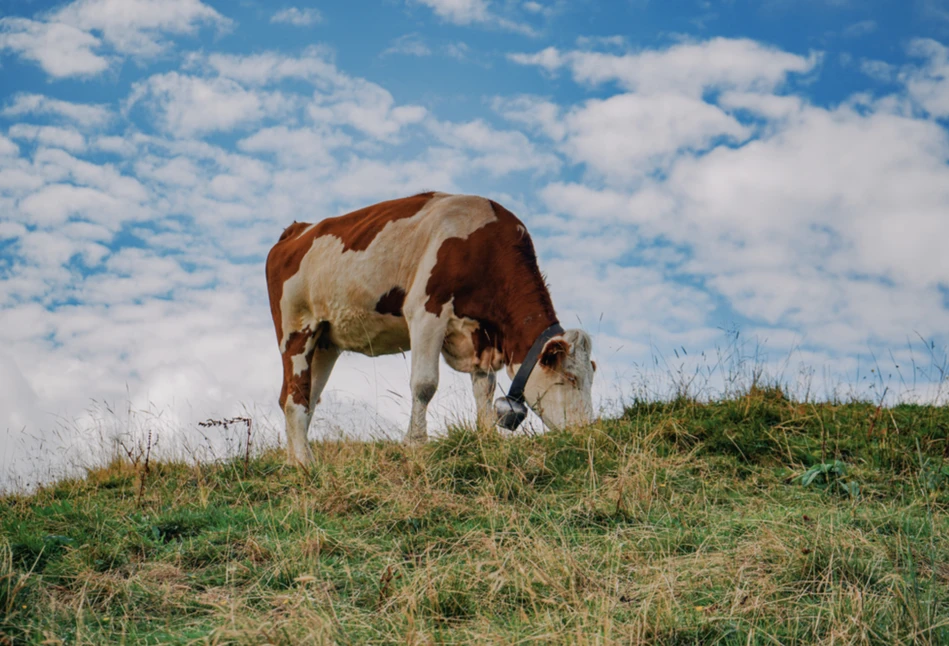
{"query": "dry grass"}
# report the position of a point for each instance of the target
(678, 523)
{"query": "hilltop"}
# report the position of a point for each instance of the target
(754, 520)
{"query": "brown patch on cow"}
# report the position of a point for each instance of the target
(293, 229)
(358, 229)
(355, 230)
(391, 302)
(554, 354)
(493, 277)
(297, 386)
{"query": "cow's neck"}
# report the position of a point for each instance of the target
(530, 312)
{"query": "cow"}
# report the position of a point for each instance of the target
(437, 274)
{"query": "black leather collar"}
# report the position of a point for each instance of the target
(516, 392)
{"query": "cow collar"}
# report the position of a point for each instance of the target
(510, 408)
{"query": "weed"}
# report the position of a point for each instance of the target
(831, 477)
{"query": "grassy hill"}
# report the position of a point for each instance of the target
(755, 520)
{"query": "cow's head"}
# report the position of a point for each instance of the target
(558, 388)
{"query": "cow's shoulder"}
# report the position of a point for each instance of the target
(491, 277)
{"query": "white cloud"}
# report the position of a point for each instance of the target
(929, 85)
(829, 223)
(459, 51)
(55, 136)
(627, 135)
(469, 12)
(773, 107)
(824, 221)
(83, 114)
(137, 27)
(56, 203)
(540, 9)
(297, 17)
(365, 106)
(7, 147)
(188, 105)
(267, 68)
(496, 152)
(114, 144)
(58, 165)
(338, 99)
(879, 70)
(17, 400)
(295, 147)
(63, 44)
(536, 113)
(60, 49)
(861, 28)
(847, 191)
(462, 12)
(408, 45)
(57, 187)
(661, 308)
(364, 181)
(688, 68)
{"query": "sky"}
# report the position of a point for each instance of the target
(716, 189)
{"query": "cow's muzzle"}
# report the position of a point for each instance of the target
(510, 412)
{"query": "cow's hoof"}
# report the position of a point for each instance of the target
(303, 460)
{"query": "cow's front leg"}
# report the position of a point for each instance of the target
(484, 384)
(427, 336)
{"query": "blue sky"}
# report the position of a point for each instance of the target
(687, 168)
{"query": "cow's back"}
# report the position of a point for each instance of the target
(361, 272)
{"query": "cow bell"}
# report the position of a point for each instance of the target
(510, 412)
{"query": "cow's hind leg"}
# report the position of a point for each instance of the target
(306, 368)
(427, 336)
(484, 384)
(324, 358)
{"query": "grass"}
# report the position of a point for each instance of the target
(752, 520)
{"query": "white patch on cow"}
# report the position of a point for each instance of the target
(300, 364)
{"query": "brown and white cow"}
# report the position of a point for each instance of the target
(440, 274)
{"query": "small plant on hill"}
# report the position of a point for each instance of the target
(831, 476)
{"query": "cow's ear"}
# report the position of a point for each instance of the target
(554, 353)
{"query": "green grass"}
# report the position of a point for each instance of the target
(755, 520)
